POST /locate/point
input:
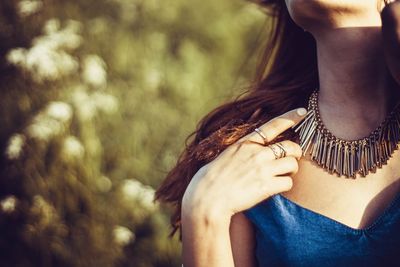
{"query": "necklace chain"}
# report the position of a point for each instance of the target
(344, 157)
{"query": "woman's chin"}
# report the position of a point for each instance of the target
(309, 14)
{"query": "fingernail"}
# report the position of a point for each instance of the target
(301, 111)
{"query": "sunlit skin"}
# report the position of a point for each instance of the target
(355, 97)
(356, 93)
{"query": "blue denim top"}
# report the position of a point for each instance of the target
(288, 234)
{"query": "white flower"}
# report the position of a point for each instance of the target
(28, 7)
(15, 145)
(59, 110)
(47, 64)
(146, 199)
(52, 26)
(132, 188)
(17, 56)
(135, 190)
(88, 106)
(123, 235)
(72, 147)
(85, 107)
(44, 210)
(71, 38)
(43, 129)
(56, 38)
(48, 59)
(87, 111)
(50, 122)
(8, 204)
(94, 71)
(105, 102)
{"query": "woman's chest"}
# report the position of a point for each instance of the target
(356, 203)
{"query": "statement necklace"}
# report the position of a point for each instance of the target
(343, 157)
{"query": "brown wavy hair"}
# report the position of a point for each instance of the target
(285, 77)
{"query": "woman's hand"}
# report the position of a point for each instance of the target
(391, 37)
(245, 173)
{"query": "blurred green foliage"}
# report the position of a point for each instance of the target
(97, 99)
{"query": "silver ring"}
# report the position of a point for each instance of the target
(282, 149)
(257, 130)
(278, 154)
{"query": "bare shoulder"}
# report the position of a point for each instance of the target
(242, 240)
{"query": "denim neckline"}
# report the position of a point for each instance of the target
(330, 220)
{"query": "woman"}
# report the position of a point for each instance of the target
(315, 189)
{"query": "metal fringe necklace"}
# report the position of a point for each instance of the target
(343, 157)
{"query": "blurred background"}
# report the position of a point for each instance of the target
(97, 98)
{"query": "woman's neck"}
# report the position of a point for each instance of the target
(355, 89)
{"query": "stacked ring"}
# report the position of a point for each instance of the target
(277, 148)
(278, 154)
(283, 151)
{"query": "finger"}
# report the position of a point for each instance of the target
(279, 184)
(291, 148)
(285, 166)
(276, 126)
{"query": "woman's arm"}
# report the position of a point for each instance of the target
(205, 239)
(235, 241)
(243, 175)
